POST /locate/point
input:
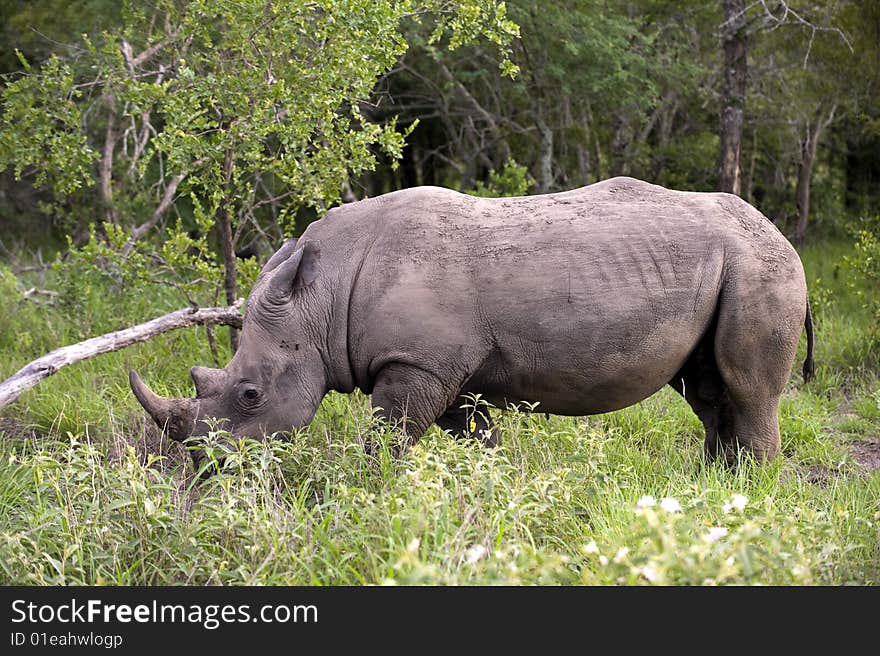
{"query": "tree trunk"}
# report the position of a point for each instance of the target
(535, 65)
(583, 152)
(224, 223)
(619, 147)
(802, 194)
(734, 94)
(597, 146)
(809, 146)
(545, 154)
(753, 160)
(105, 166)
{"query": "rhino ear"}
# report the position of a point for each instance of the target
(279, 256)
(296, 272)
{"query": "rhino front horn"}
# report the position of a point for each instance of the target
(174, 416)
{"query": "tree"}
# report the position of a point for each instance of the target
(799, 92)
(741, 24)
(733, 95)
(584, 106)
(606, 46)
(225, 113)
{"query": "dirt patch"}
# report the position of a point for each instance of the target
(866, 453)
(15, 429)
(820, 475)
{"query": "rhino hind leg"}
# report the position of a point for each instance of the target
(464, 423)
(755, 345)
(701, 385)
(730, 425)
(736, 375)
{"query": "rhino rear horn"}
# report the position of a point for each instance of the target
(174, 416)
(208, 381)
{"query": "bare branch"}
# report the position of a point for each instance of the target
(136, 61)
(41, 297)
(783, 14)
(166, 202)
(43, 367)
(34, 267)
(147, 54)
(44, 292)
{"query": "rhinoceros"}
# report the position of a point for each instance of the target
(582, 302)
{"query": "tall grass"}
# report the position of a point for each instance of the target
(90, 494)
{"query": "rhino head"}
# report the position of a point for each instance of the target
(277, 378)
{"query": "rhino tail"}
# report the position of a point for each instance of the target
(809, 365)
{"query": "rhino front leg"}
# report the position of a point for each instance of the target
(464, 422)
(410, 399)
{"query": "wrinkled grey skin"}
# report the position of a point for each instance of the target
(584, 301)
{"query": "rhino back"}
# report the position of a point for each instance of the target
(586, 300)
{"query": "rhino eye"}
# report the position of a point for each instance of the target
(249, 398)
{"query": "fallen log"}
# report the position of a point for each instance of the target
(34, 372)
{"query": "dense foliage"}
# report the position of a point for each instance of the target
(269, 115)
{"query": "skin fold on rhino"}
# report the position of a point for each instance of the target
(584, 301)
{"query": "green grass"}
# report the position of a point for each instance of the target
(90, 495)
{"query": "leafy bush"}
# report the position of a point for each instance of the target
(700, 543)
(864, 265)
(142, 278)
(512, 180)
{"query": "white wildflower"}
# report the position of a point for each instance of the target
(621, 554)
(413, 545)
(591, 548)
(603, 560)
(670, 505)
(646, 501)
(737, 502)
(649, 573)
(799, 571)
(475, 553)
(715, 533)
